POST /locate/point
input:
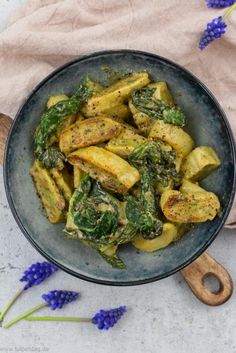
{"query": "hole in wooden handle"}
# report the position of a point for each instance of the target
(196, 275)
(212, 283)
(5, 124)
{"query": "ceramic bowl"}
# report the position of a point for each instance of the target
(207, 124)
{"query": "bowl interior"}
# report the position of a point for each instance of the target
(207, 125)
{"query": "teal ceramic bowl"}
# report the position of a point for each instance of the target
(207, 124)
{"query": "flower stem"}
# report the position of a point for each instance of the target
(22, 316)
(57, 318)
(10, 303)
(228, 12)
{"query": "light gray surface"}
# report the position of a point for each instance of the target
(163, 317)
(7, 8)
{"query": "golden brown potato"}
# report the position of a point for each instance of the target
(56, 99)
(119, 113)
(175, 136)
(162, 92)
(94, 86)
(132, 107)
(178, 162)
(111, 170)
(159, 188)
(78, 175)
(116, 94)
(107, 180)
(125, 143)
(88, 132)
(51, 198)
(200, 163)
(64, 182)
(189, 207)
(190, 187)
(144, 123)
(169, 234)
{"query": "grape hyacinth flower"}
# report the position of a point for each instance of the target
(54, 299)
(37, 273)
(217, 4)
(103, 319)
(34, 275)
(215, 29)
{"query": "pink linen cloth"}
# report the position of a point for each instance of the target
(45, 34)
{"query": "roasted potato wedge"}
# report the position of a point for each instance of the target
(162, 92)
(116, 94)
(189, 207)
(159, 188)
(78, 174)
(200, 163)
(94, 86)
(169, 234)
(111, 170)
(88, 132)
(175, 136)
(119, 112)
(64, 182)
(132, 107)
(107, 180)
(125, 143)
(56, 99)
(190, 187)
(51, 198)
(144, 123)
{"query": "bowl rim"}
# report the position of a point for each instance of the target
(20, 223)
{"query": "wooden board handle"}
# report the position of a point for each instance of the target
(195, 274)
(5, 124)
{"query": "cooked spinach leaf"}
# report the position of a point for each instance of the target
(113, 260)
(52, 157)
(52, 119)
(160, 163)
(145, 102)
(93, 211)
(154, 164)
(142, 213)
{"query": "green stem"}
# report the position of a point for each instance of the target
(57, 318)
(10, 303)
(228, 12)
(22, 316)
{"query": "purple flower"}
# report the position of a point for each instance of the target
(104, 319)
(57, 298)
(37, 273)
(215, 29)
(219, 3)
